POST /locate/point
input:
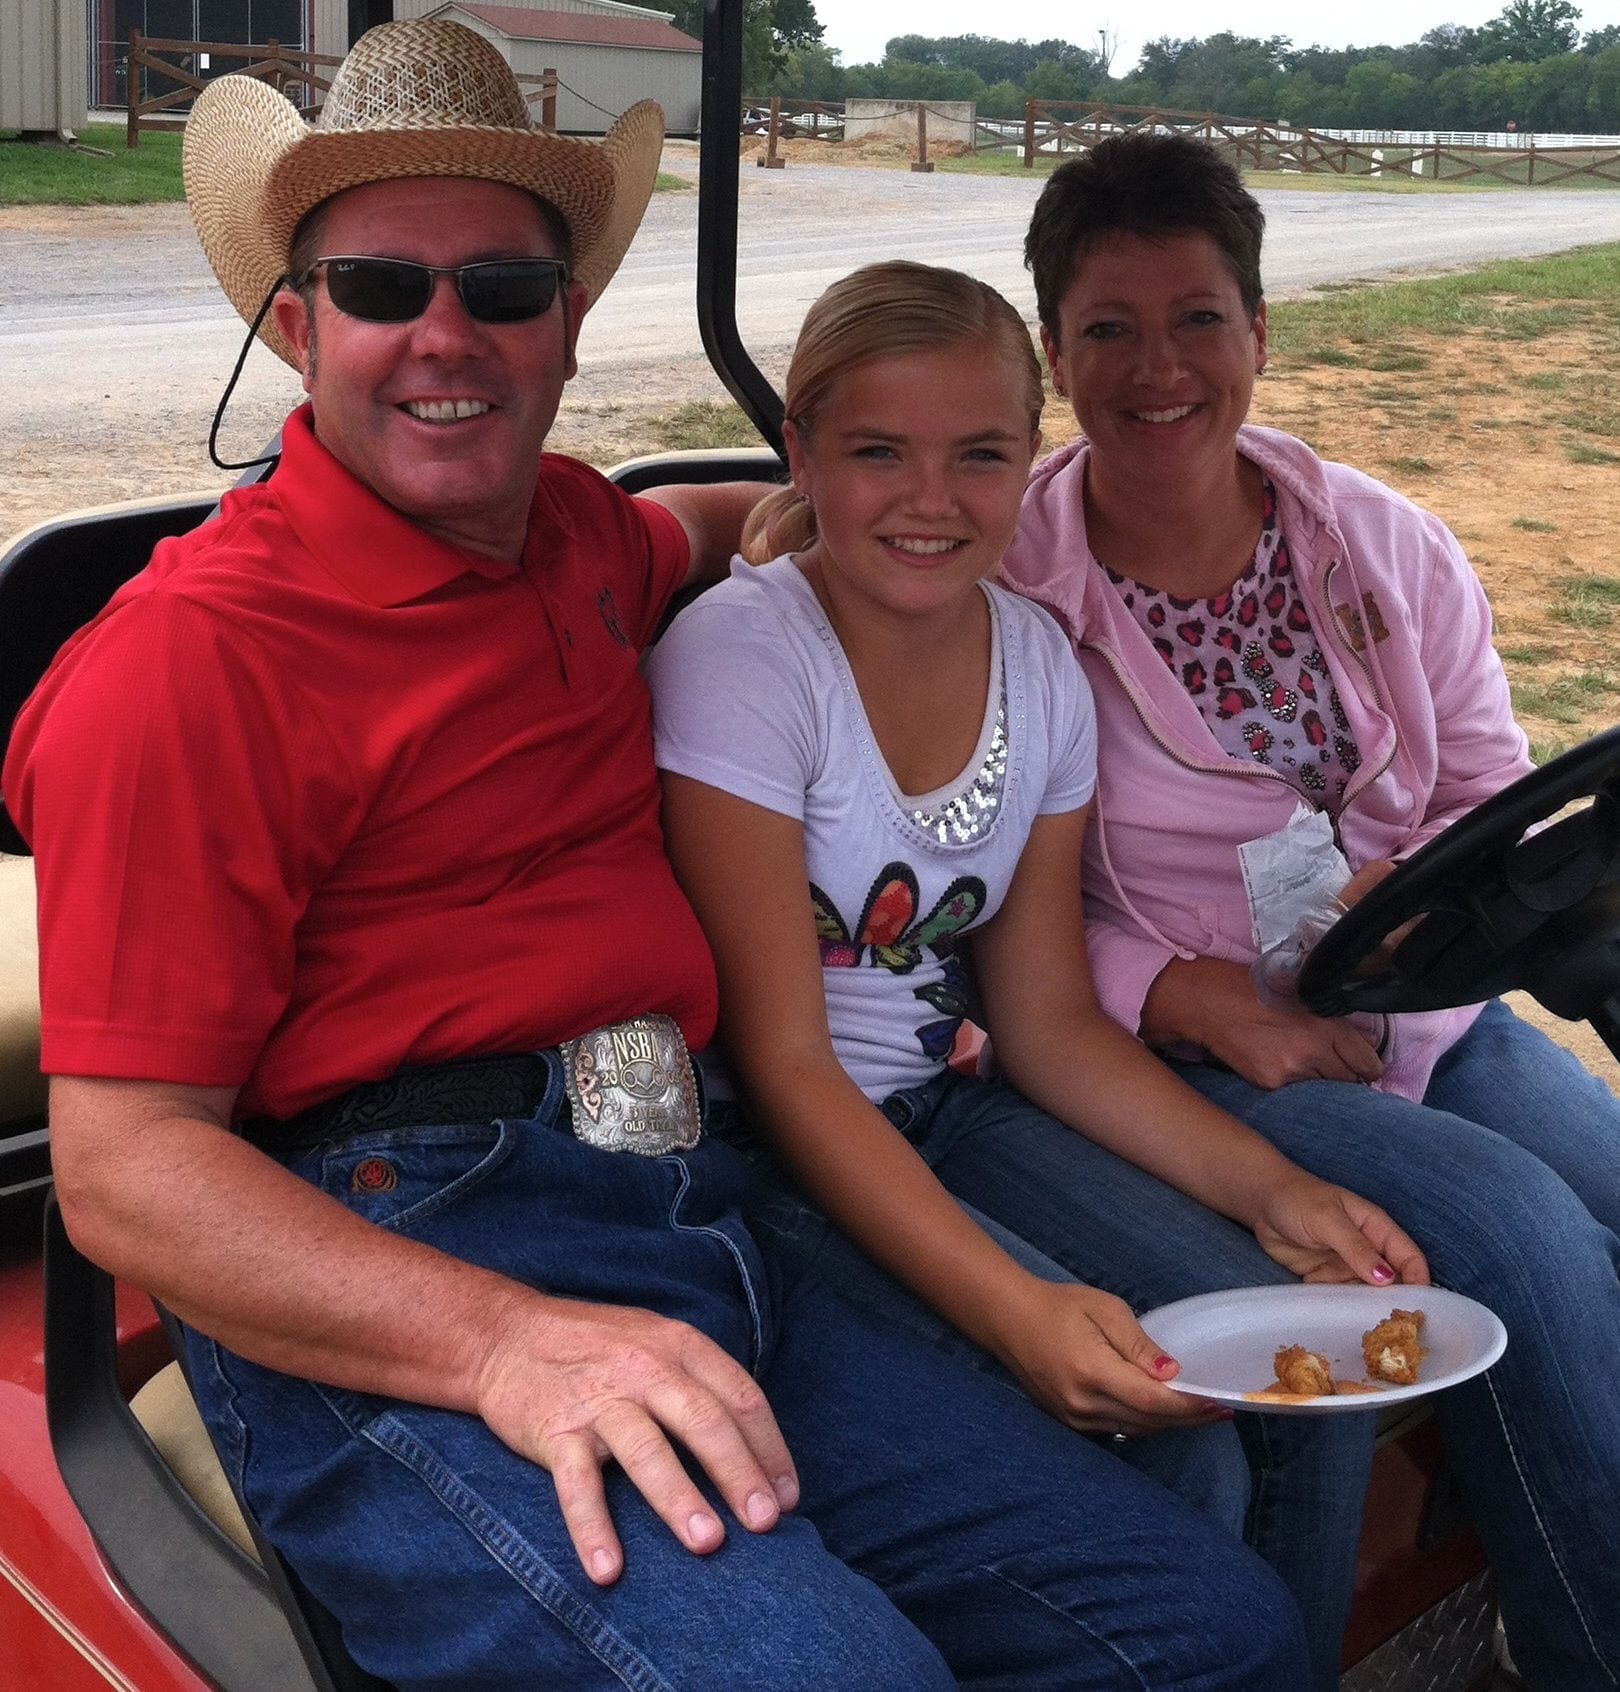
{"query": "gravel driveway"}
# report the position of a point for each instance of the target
(115, 343)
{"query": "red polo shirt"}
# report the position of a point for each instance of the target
(318, 795)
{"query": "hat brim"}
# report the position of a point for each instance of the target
(253, 168)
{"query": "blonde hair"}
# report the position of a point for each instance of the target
(882, 311)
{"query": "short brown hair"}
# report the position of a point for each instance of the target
(1145, 185)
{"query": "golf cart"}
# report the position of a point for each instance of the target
(124, 1558)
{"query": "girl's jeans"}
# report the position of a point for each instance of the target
(1069, 1210)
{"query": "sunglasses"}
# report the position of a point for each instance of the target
(385, 290)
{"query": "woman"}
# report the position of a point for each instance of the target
(1288, 657)
(902, 769)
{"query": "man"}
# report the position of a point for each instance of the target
(365, 983)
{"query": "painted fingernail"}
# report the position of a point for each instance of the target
(758, 1510)
(602, 1564)
(1382, 1272)
(1161, 1363)
(786, 1489)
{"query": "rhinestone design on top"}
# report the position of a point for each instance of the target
(960, 821)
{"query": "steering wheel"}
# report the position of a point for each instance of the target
(1499, 908)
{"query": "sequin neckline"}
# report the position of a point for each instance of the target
(968, 815)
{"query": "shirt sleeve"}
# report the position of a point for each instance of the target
(1072, 778)
(732, 703)
(181, 802)
(1479, 747)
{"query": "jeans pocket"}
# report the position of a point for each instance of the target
(399, 1177)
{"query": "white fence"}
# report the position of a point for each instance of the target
(1465, 138)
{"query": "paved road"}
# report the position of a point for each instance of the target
(111, 329)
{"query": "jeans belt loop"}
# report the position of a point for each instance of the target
(631, 1087)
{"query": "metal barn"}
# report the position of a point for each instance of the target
(606, 55)
(42, 62)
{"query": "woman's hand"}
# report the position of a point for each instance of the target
(1325, 1233)
(1212, 1003)
(1080, 1354)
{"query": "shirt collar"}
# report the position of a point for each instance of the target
(376, 552)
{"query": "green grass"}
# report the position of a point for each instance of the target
(1524, 654)
(1565, 699)
(703, 423)
(1517, 299)
(33, 175)
(1578, 452)
(1535, 526)
(1411, 467)
(1330, 355)
(104, 172)
(1544, 751)
(1548, 381)
(1585, 600)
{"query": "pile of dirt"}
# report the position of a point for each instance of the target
(879, 149)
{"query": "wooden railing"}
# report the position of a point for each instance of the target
(284, 68)
(1053, 128)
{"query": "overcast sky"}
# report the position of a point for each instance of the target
(859, 28)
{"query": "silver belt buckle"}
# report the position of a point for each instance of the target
(630, 1084)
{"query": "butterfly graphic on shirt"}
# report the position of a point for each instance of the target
(890, 936)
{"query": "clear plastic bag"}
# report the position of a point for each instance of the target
(1275, 973)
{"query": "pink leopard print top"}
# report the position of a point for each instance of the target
(1250, 662)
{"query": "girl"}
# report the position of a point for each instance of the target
(896, 789)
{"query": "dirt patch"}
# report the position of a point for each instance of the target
(881, 150)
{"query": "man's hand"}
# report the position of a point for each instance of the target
(1082, 1356)
(1212, 1003)
(1325, 1233)
(573, 1385)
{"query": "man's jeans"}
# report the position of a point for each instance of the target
(1069, 1210)
(948, 1533)
(1508, 1176)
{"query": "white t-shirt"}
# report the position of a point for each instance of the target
(752, 695)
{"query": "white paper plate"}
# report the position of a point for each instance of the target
(1225, 1341)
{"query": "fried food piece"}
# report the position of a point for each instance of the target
(1306, 1372)
(1391, 1350)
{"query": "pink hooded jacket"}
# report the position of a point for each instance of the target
(1406, 631)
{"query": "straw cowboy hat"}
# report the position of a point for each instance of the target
(419, 97)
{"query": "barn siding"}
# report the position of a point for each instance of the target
(43, 61)
(592, 75)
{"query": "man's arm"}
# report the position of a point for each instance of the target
(155, 1188)
(713, 518)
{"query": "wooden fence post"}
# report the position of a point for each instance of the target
(1029, 135)
(921, 161)
(548, 97)
(1530, 168)
(771, 161)
(132, 91)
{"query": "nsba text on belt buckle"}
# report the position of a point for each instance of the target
(631, 1087)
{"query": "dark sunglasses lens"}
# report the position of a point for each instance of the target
(508, 291)
(379, 290)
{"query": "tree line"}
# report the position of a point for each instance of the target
(1530, 68)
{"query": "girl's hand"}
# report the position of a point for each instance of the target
(1326, 1233)
(1080, 1354)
